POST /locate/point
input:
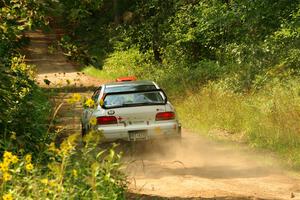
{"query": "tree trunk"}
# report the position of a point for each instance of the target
(116, 12)
(155, 44)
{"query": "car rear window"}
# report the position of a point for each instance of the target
(128, 88)
(134, 99)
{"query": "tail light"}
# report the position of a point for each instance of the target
(165, 116)
(107, 120)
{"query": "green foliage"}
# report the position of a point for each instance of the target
(23, 106)
(25, 109)
(124, 62)
(73, 51)
(17, 16)
(78, 11)
(245, 39)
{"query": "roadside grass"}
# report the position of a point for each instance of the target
(268, 119)
(97, 73)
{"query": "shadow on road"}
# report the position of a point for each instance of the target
(157, 171)
(151, 197)
(73, 89)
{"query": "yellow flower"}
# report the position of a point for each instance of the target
(7, 155)
(76, 97)
(101, 102)
(44, 181)
(89, 103)
(14, 159)
(93, 121)
(28, 158)
(13, 136)
(68, 145)
(4, 166)
(7, 161)
(6, 176)
(7, 196)
(74, 173)
(29, 167)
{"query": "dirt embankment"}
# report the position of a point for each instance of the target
(196, 169)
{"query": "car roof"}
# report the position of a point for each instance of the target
(129, 83)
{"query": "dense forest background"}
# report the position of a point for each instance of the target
(245, 43)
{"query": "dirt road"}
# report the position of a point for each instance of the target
(56, 72)
(196, 169)
(203, 168)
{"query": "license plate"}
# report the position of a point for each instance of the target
(137, 135)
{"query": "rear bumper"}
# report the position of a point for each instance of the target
(141, 132)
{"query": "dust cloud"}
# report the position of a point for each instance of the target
(194, 156)
(199, 167)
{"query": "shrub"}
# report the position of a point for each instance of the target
(74, 173)
(24, 109)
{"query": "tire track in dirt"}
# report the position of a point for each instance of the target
(196, 169)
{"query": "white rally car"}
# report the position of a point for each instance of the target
(131, 110)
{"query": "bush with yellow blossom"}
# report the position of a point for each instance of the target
(73, 168)
(72, 172)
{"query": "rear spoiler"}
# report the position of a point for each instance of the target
(135, 92)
